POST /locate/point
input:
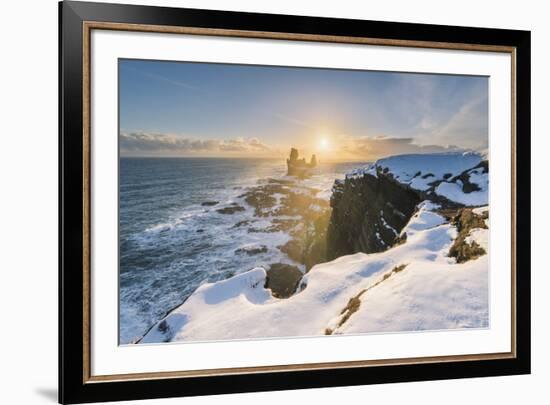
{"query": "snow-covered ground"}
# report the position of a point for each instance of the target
(420, 172)
(410, 287)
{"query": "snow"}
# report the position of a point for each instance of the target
(424, 218)
(386, 225)
(432, 292)
(454, 192)
(361, 171)
(479, 178)
(479, 235)
(406, 168)
(480, 210)
(425, 296)
(422, 171)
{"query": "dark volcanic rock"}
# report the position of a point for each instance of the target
(252, 250)
(299, 167)
(368, 214)
(294, 209)
(230, 210)
(316, 240)
(465, 221)
(294, 249)
(282, 279)
(209, 203)
(242, 223)
(262, 199)
(464, 177)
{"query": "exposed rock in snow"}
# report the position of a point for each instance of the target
(368, 213)
(409, 239)
(460, 177)
(419, 170)
(373, 204)
(412, 286)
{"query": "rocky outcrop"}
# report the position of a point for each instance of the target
(372, 205)
(294, 209)
(299, 167)
(252, 250)
(466, 221)
(230, 210)
(368, 214)
(282, 279)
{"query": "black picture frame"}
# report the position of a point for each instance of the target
(73, 387)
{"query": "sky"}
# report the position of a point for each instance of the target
(206, 109)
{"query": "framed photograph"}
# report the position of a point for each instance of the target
(254, 202)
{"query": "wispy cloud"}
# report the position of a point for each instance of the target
(469, 125)
(144, 143)
(295, 121)
(381, 146)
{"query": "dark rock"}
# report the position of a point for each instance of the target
(316, 240)
(294, 249)
(230, 210)
(261, 198)
(299, 204)
(252, 250)
(299, 167)
(464, 177)
(209, 203)
(283, 279)
(242, 223)
(465, 221)
(368, 213)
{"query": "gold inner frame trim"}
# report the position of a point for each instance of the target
(88, 26)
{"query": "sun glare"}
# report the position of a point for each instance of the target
(324, 144)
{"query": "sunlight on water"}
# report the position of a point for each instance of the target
(172, 237)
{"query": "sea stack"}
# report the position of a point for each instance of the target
(299, 167)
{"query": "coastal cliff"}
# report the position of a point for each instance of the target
(425, 217)
(368, 213)
(372, 205)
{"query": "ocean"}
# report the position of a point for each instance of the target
(172, 238)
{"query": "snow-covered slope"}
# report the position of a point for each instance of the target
(443, 173)
(412, 286)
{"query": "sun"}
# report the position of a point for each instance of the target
(324, 144)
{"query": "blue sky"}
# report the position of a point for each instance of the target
(179, 108)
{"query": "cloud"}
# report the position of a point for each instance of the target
(136, 143)
(381, 146)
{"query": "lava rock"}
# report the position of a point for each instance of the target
(252, 250)
(230, 210)
(283, 279)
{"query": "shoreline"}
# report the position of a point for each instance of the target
(289, 205)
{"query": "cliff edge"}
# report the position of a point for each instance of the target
(371, 205)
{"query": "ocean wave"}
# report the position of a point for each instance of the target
(197, 244)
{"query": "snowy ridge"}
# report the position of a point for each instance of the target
(412, 286)
(441, 173)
